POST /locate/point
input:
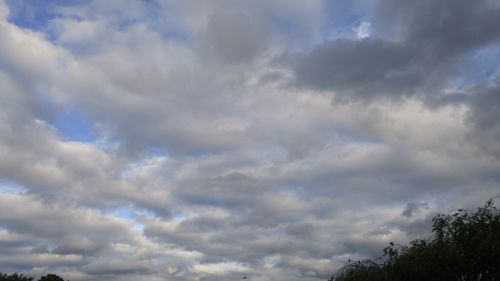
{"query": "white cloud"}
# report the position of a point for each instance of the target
(362, 30)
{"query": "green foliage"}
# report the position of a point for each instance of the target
(21, 277)
(464, 246)
(51, 277)
(15, 277)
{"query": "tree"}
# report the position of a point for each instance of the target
(465, 245)
(15, 277)
(51, 277)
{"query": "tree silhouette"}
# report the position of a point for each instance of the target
(21, 277)
(15, 277)
(465, 245)
(51, 277)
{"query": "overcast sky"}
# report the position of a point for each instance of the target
(211, 140)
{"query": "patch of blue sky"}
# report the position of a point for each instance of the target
(487, 62)
(71, 123)
(482, 65)
(157, 151)
(37, 15)
(178, 216)
(34, 14)
(11, 187)
(74, 125)
(145, 213)
(132, 214)
(126, 212)
(342, 17)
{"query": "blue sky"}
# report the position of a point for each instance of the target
(211, 140)
(74, 125)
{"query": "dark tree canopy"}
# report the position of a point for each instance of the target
(465, 245)
(51, 277)
(21, 277)
(15, 277)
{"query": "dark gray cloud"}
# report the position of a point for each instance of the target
(361, 69)
(412, 208)
(76, 244)
(484, 103)
(441, 28)
(416, 49)
(300, 229)
(232, 37)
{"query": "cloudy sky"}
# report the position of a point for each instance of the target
(209, 140)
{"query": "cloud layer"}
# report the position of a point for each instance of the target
(179, 140)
